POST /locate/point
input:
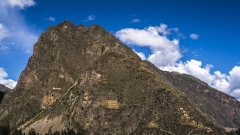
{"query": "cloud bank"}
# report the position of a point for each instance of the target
(166, 55)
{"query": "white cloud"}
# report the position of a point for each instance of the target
(221, 84)
(14, 32)
(141, 55)
(50, 19)
(90, 18)
(3, 32)
(24, 39)
(166, 56)
(17, 3)
(192, 67)
(162, 29)
(195, 53)
(27, 51)
(21, 3)
(229, 84)
(234, 82)
(234, 78)
(7, 82)
(135, 21)
(194, 36)
(3, 47)
(236, 93)
(165, 51)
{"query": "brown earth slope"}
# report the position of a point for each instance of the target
(81, 77)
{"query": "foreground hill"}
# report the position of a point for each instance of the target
(84, 78)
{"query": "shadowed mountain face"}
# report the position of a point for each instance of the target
(84, 78)
(223, 108)
(3, 90)
(1, 96)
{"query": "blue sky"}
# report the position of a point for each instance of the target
(197, 37)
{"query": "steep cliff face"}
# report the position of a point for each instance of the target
(3, 90)
(81, 77)
(223, 108)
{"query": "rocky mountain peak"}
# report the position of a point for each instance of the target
(80, 77)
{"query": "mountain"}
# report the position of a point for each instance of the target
(3, 90)
(84, 78)
(224, 108)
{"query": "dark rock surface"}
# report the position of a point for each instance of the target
(3, 90)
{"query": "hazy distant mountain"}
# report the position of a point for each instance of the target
(84, 78)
